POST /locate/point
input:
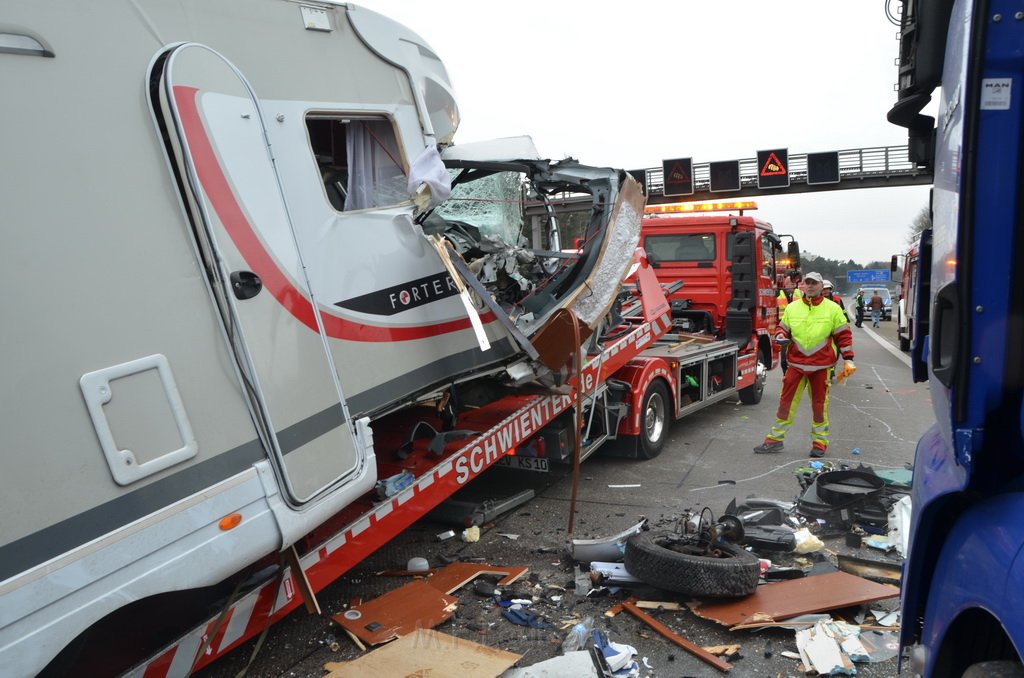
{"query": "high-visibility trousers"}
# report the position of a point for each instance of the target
(818, 383)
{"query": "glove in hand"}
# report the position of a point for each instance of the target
(848, 369)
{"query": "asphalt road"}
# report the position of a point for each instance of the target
(877, 416)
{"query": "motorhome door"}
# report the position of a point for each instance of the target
(244, 234)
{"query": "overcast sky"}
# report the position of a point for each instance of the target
(628, 84)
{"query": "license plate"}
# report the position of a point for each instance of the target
(525, 463)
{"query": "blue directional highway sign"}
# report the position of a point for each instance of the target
(868, 275)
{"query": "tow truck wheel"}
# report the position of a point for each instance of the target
(751, 395)
(654, 420)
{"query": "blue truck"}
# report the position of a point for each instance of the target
(963, 578)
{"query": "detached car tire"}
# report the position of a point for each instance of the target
(651, 558)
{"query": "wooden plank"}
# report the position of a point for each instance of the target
(658, 605)
(426, 653)
(692, 648)
(308, 595)
(792, 598)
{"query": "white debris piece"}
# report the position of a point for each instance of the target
(578, 664)
(899, 525)
(806, 542)
(821, 651)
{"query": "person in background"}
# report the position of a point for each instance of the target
(875, 304)
(790, 291)
(828, 291)
(859, 299)
(818, 331)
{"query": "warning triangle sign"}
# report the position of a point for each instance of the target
(773, 167)
(678, 176)
(678, 173)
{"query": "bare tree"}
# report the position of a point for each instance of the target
(922, 221)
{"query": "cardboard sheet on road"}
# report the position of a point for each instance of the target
(426, 653)
(794, 597)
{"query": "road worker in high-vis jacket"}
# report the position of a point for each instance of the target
(818, 332)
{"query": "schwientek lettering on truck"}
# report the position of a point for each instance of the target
(510, 434)
(404, 296)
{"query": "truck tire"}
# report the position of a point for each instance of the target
(995, 669)
(651, 557)
(904, 343)
(654, 419)
(751, 395)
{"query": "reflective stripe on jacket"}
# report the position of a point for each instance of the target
(818, 330)
(783, 299)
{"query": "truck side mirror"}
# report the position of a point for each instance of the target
(793, 254)
(893, 265)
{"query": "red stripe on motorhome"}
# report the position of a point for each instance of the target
(222, 198)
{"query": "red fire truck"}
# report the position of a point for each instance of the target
(906, 309)
(727, 263)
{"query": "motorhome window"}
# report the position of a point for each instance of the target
(689, 247)
(493, 204)
(359, 160)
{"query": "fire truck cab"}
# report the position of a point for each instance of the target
(727, 264)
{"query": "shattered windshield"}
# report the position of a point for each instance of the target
(485, 222)
(492, 204)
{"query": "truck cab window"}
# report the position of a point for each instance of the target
(359, 159)
(767, 269)
(682, 247)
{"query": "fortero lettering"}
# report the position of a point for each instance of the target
(402, 297)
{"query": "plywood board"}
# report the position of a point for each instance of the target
(452, 577)
(426, 653)
(794, 597)
(398, 613)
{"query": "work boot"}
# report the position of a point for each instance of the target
(769, 447)
(817, 452)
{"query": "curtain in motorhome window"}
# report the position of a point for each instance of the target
(376, 175)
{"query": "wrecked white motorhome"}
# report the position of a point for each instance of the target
(219, 247)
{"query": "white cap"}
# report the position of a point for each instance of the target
(828, 284)
(812, 276)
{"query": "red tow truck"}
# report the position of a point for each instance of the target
(727, 262)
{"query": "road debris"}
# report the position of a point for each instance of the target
(785, 599)
(426, 652)
(578, 664)
(607, 549)
(687, 645)
(399, 612)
